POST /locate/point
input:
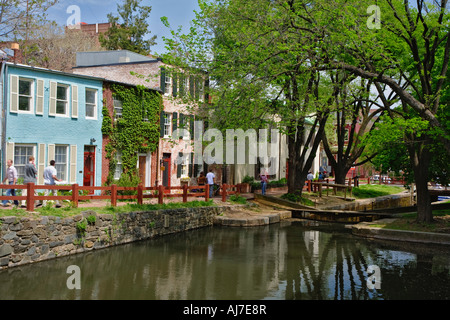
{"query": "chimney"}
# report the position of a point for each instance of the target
(15, 46)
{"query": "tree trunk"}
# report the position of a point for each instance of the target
(340, 173)
(294, 165)
(420, 161)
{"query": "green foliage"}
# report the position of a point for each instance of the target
(128, 181)
(106, 122)
(248, 179)
(132, 32)
(136, 132)
(256, 185)
(373, 190)
(297, 198)
(237, 199)
(82, 226)
(91, 219)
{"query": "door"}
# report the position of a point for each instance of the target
(89, 167)
(142, 168)
(166, 171)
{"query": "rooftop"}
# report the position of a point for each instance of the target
(104, 58)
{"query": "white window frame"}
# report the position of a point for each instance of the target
(201, 90)
(94, 105)
(31, 97)
(67, 101)
(26, 158)
(185, 168)
(118, 173)
(64, 177)
(116, 108)
(167, 85)
(168, 125)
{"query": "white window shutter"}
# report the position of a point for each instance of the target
(40, 97)
(50, 153)
(73, 164)
(41, 163)
(52, 106)
(74, 101)
(9, 151)
(14, 94)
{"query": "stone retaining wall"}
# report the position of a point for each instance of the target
(390, 201)
(27, 240)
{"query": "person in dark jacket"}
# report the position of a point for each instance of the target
(30, 176)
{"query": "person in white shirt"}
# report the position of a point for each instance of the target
(49, 179)
(210, 180)
(11, 176)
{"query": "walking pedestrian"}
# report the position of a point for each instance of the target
(30, 176)
(263, 177)
(210, 180)
(11, 176)
(50, 178)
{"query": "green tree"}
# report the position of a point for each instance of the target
(129, 29)
(258, 48)
(353, 120)
(259, 75)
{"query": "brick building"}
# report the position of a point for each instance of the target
(133, 69)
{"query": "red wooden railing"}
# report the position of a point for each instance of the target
(112, 193)
(107, 193)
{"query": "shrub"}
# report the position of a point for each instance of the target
(248, 179)
(128, 181)
(238, 199)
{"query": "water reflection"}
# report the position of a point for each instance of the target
(285, 261)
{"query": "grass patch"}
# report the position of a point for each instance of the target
(237, 199)
(408, 222)
(69, 210)
(297, 198)
(373, 191)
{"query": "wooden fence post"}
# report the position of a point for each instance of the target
(185, 190)
(75, 195)
(140, 191)
(160, 194)
(114, 195)
(206, 192)
(320, 190)
(309, 185)
(30, 196)
(238, 189)
(224, 192)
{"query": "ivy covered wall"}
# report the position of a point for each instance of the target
(135, 130)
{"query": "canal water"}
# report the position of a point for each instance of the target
(287, 261)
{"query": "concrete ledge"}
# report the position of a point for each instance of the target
(253, 220)
(282, 202)
(366, 230)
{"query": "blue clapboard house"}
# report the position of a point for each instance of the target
(51, 115)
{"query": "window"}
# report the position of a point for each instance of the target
(25, 95)
(61, 162)
(183, 86)
(91, 103)
(118, 108)
(185, 168)
(21, 156)
(184, 124)
(118, 170)
(201, 90)
(62, 100)
(167, 125)
(168, 82)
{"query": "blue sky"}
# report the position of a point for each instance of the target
(179, 12)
